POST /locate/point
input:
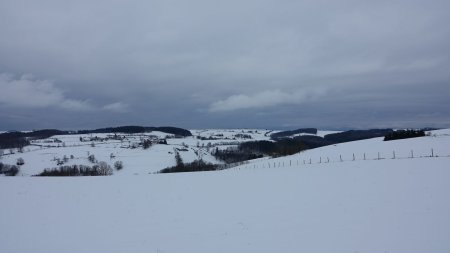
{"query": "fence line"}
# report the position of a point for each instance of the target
(297, 163)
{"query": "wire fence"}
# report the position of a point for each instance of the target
(306, 160)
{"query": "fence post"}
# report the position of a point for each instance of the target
(320, 160)
(432, 153)
(340, 157)
(309, 160)
(393, 154)
(364, 156)
(412, 154)
(328, 160)
(353, 156)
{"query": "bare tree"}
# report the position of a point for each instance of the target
(104, 169)
(91, 158)
(178, 159)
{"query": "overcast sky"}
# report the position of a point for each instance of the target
(221, 64)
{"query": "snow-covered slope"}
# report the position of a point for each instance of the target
(386, 205)
(46, 153)
(437, 144)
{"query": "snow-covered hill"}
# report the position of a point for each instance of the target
(372, 205)
(47, 153)
(436, 144)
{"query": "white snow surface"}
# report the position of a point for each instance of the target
(372, 205)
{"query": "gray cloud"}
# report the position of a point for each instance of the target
(31, 93)
(28, 92)
(269, 98)
(209, 64)
(116, 107)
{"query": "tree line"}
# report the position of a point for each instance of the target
(100, 169)
(404, 134)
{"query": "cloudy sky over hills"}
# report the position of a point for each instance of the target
(197, 64)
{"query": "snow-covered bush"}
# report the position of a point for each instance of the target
(20, 161)
(118, 165)
(9, 170)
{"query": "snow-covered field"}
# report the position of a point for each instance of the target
(372, 205)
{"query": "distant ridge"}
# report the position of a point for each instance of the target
(313, 141)
(138, 129)
(347, 136)
(285, 134)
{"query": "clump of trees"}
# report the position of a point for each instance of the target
(13, 140)
(404, 134)
(243, 136)
(281, 147)
(21, 139)
(100, 169)
(9, 170)
(197, 165)
(235, 155)
(257, 149)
